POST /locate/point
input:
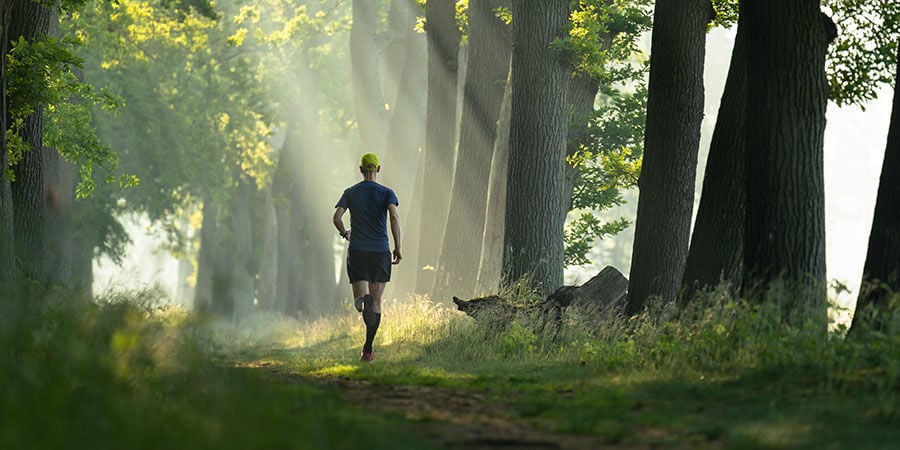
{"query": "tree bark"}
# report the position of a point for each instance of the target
(368, 98)
(881, 273)
(242, 268)
(37, 197)
(406, 137)
(203, 294)
(785, 211)
(716, 252)
(491, 263)
(533, 246)
(582, 95)
(486, 75)
(671, 143)
(440, 134)
(7, 237)
(268, 267)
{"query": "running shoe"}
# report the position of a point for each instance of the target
(367, 356)
(358, 303)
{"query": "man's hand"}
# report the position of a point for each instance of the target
(346, 235)
(397, 256)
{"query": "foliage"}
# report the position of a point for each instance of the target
(603, 43)
(603, 40)
(609, 163)
(41, 74)
(864, 55)
(198, 117)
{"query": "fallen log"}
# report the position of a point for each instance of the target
(599, 297)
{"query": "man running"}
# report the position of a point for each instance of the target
(369, 256)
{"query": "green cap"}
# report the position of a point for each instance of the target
(369, 162)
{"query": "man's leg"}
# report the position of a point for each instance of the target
(360, 289)
(372, 314)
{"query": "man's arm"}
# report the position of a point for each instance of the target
(338, 221)
(395, 231)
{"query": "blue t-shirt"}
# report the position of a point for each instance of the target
(368, 203)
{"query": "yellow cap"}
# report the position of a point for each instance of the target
(369, 162)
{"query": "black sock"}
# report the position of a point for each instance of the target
(372, 323)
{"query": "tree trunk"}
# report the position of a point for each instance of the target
(31, 197)
(440, 134)
(491, 262)
(7, 237)
(268, 267)
(242, 270)
(785, 211)
(406, 137)
(203, 294)
(671, 143)
(485, 82)
(881, 273)
(367, 96)
(533, 246)
(716, 252)
(582, 95)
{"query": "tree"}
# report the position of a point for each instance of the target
(440, 133)
(785, 123)
(716, 250)
(671, 144)
(485, 82)
(533, 243)
(364, 59)
(881, 273)
(406, 66)
(36, 171)
(7, 243)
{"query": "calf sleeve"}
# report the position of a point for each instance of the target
(372, 323)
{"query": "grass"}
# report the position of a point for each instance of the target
(122, 372)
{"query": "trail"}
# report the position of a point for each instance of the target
(455, 418)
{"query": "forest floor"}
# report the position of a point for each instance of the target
(455, 418)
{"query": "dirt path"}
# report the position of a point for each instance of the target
(456, 418)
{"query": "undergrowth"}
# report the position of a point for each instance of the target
(124, 371)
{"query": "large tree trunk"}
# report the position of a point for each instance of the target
(31, 196)
(533, 246)
(881, 273)
(7, 238)
(491, 262)
(406, 137)
(440, 134)
(785, 211)
(716, 252)
(486, 74)
(671, 143)
(367, 96)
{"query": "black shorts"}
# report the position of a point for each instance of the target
(374, 267)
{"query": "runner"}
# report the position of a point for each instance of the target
(369, 257)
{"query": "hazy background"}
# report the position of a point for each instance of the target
(854, 149)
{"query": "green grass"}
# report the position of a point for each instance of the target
(121, 372)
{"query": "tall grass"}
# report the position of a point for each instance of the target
(124, 372)
(713, 338)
